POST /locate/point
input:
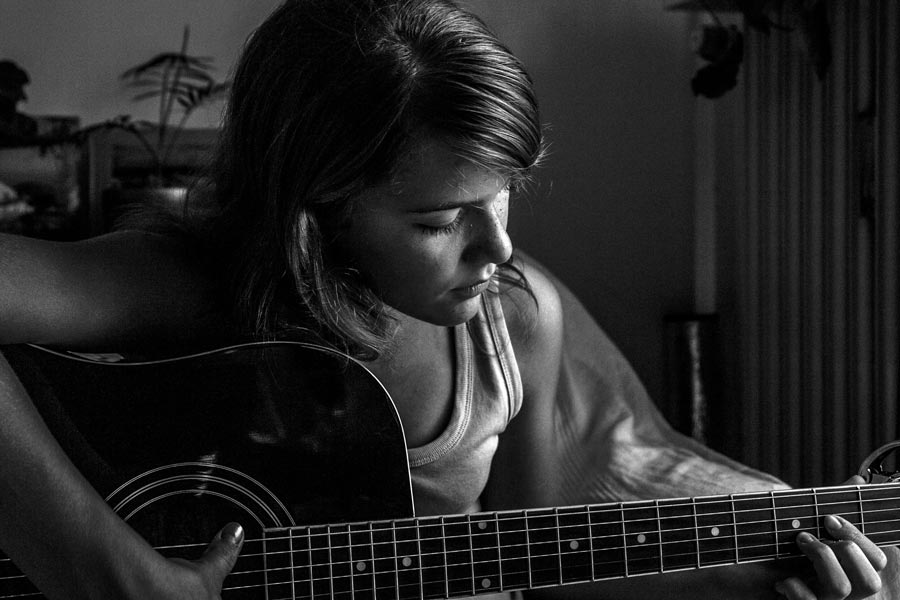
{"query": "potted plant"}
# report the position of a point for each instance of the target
(180, 83)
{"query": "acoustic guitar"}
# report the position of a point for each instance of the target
(304, 447)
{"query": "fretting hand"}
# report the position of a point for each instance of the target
(849, 565)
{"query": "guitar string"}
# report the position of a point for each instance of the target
(588, 510)
(466, 524)
(415, 585)
(469, 564)
(763, 498)
(330, 530)
(466, 579)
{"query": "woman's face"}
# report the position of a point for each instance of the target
(429, 241)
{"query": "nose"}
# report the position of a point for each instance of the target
(489, 241)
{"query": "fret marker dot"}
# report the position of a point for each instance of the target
(714, 531)
(407, 561)
(573, 544)
(485, 583)
(360, 566)
(482, 525)
(641, 538)
(795, 524)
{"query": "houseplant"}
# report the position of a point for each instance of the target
(180, 83)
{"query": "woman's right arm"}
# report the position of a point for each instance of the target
(121, 288)
(56, 528)
(63, 536)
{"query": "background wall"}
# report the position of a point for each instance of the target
(75, 51)
(612, 214)
(612, 211)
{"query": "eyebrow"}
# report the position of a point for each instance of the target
(452, 204)
(447, 206)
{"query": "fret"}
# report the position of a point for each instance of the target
(421, 567)
(796, 512)
(678, 544)
(881, 519)
(818, 516)
(862, 510)
(499, 556)
(624, 536)
(277, 563)
(591, 544)
(396, 561)
(659, 538)
(446, 560)
(558, 544)
(340, 565)
(574, 544)
(737, 554)
(433, 564)
(385, 560)
(543, 547)
(754, 526)
(641, 533)
(485, 553)
(409, 574)
(774, 522)
(608, 551)
(511, 530)
(716, 541)
(696, 533)
(528, 550)
(320, 561)
(460, 577)
(362, 566)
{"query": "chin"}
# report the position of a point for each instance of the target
(463, 312)
(445, 314)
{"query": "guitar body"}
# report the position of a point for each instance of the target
(304, 448)
(268, 435)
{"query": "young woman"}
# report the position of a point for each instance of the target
(361, 192)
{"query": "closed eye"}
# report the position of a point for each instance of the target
(444, 222)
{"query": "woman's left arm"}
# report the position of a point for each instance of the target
(526, 472)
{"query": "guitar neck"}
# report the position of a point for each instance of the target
(445, 557)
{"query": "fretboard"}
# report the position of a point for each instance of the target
(451, 556)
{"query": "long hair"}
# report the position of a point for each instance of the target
(325, 101)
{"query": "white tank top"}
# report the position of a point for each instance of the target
(449, 473)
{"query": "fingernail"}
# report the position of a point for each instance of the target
(232, 533)
(805, 537)
(832, 522)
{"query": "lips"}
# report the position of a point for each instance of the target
(473, 289)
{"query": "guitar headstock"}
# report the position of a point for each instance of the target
(874, 468)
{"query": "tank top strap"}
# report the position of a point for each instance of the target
(489, 334)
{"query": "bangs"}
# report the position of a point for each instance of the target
(489, 116)
(461, 83)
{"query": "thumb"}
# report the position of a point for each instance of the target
(219, 557)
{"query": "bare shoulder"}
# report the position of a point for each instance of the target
(522, 476)
(534, 320)
(109, 289)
